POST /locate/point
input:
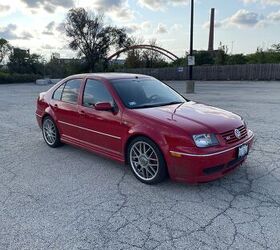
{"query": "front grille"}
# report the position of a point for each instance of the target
(230, 137)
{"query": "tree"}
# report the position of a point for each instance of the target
(275, 48)
(133, 59)
(5, 49)
(21, 61)
(236, 59)
(151, 58)
(203, 57)
(91, 37)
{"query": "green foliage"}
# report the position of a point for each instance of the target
(236, 59)
(57, 68)
(269, 56)
(5, 49)
(203, 57)
(220, 57)
(181, 62)
(22, 62)
(17, 78)
(91, 37)
(144, 58)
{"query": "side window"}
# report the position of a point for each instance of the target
(58, 92)
(71, 91)
(95, 92)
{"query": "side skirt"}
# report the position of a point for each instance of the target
(93, 148)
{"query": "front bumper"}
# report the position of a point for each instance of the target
(198, 168)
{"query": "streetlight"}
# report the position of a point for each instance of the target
(191, 59)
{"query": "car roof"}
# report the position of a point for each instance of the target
(110, 76)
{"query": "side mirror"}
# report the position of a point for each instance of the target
(103, 106)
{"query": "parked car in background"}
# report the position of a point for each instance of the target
(138, 120)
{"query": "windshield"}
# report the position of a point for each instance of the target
(145, 93)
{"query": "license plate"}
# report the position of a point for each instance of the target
(243, 150)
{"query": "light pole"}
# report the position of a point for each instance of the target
(191, 39)
(191, 61)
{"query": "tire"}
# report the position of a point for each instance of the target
(146, 161)
(50, 133)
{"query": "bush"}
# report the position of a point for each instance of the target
(17, 78)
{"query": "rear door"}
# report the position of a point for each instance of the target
(65, 106)
(102, 129)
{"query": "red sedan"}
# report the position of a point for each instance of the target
(139, 120)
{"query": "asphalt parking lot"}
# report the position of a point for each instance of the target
(68, 198)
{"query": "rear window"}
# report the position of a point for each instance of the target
(57, 94)
(71, 91)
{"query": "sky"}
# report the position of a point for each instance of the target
(241, 25)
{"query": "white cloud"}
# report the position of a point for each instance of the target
(160, 4)
(138, 27)
(161, 29)
(218, 24)
(246, 19)
(11, 32)
(47, 5)
(274, 16)
(115, 9)
(4, 8)
(263, 2)
(241, 19)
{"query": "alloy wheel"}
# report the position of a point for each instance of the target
(49, 131)
(144, 161)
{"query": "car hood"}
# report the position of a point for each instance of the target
(194, 117)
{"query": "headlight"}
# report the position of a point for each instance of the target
(205, 140)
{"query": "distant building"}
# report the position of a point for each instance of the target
(56, 56)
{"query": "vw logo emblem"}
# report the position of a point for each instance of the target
(237, 133)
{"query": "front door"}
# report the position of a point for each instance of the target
(101, 129)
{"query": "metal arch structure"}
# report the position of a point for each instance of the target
(160, 50)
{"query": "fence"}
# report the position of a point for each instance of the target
(265, 72)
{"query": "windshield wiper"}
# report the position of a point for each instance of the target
(157, 105)
(171, 103)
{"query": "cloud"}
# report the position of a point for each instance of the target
(49, 28)
(116, 9)
(264, 2)
(48, 47)
(10, 32)
(4, 8)
(218, 24)
(48, 5)
(159, 4)
(60, 27)
(161, 29)
(241, 19)
(135, 27)
(274, 16)
(245, 18)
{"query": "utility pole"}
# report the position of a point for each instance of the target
(191, 61)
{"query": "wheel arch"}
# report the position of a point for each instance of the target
(132, 137)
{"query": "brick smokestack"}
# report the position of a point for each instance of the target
(211, 32)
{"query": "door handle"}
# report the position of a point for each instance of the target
(81, 112)
(55, 106)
